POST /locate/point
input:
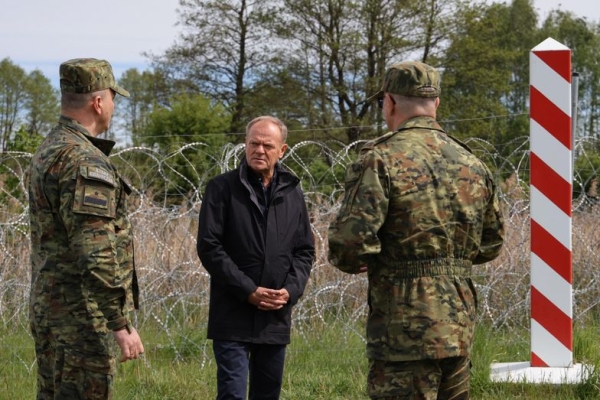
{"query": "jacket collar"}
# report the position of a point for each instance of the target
(420, 122)
(285, 177)
(104, 145)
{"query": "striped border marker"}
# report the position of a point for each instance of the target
(551, 198)
(550, 205)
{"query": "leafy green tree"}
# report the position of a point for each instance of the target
(221, 50)
(148, 89)
(324, 56)
(338, 50)
(27, 100)
(485, 79)
(337, 65)
(13, 164)
(41, 105)
(12, 99)
(187, 135)
(485, 75)
(583, 39)
(24, 141)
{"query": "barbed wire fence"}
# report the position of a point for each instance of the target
(175, 286)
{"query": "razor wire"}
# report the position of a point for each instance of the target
(164, 209)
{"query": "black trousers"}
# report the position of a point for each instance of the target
(240, 362)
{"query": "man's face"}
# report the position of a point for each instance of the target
(264, 146)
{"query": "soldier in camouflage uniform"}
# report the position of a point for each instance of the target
(83, 284)
(419, 210)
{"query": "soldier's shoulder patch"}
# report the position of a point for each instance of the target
(98, 174)
(92, 197)
(96, 191)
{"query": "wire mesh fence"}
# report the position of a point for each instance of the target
(174, 285)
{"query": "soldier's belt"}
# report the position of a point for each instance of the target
(429, 268)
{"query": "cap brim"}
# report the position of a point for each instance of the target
(376, 95)
(121, 91)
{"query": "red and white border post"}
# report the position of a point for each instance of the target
(550, 204)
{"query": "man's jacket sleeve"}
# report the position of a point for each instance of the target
(211, 232)
(492, 236)
(353, 235)
(89, 211)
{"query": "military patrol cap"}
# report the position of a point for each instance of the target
(87, 75)
(412, 79)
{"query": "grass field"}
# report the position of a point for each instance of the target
(325, 363)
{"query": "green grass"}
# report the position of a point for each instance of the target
(17, 365)
(497, 347)
(322, 363)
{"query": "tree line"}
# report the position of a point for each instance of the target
(313, 63)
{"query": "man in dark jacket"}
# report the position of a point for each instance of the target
(255, 241)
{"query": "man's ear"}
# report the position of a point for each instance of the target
(283, 150)
(390, 104)
(97, 104)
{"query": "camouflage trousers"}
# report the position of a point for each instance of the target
(74, 362)
(445, 378)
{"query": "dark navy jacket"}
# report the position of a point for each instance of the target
(243, 248)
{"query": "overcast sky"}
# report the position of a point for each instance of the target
(43, 33)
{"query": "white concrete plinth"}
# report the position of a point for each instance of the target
(523, 372)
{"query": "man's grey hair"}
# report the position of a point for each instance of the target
(410, 102)
(269, 118)
(76, 101)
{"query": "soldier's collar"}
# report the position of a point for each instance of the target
(423, 122)
(104, 145)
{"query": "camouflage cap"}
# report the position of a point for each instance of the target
(86, 75)
(412, 79)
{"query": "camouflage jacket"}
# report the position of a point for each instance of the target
(419, 210)
(83, 270)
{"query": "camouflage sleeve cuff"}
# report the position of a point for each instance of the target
(117, 324)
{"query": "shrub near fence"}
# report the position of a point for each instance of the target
(175, 286)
